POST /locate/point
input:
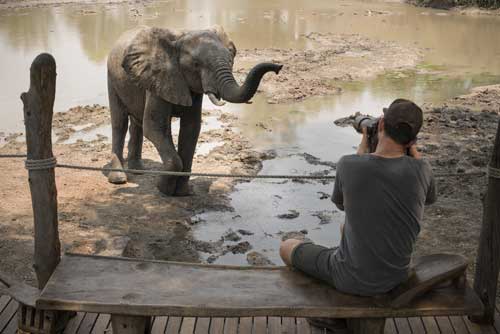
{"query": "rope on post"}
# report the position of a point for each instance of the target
(40, 164)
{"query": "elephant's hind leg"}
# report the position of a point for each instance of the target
(135, 146)
(119, 123)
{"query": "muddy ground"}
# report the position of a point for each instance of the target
(135, 220)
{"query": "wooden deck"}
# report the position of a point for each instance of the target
(91, 323)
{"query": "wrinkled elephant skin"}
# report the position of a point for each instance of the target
(155, 74)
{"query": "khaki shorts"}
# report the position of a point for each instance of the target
(314, 260)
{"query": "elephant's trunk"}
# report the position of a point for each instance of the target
(229, 89)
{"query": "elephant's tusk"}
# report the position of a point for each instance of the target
(215, 100)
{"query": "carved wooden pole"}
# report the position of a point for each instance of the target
(488, 255)
(38, 109)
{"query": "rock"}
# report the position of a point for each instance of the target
(230, 235)
(292, 214)
(245, 232)
(323, 195)
(212, 258)
(324, 217)
(258, 259)
(239, 248)
(294, 235)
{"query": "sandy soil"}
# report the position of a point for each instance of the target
(97, 217)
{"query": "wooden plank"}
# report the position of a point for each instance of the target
(202, 326)
(74, 323)
(217, 326)
(303, 326)
(101, 324)
(4, 300)
(458, 325)
(87, 323)
(245, 325)
(8, 312)
(187, 326)
(444, 325)
(11, 327)
(274, 325)
(123, 286)
(159, 325)
(478, 328)
(231, 325)
(416, 325)
(427, 272)
(259, 325)
(390, 326)
(173, 325)
(430, 325)
(288, 325)
(402, 325)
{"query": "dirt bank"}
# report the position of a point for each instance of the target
(462, 7)
(327, 60)
(458, 137)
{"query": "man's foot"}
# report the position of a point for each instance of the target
(334, 325)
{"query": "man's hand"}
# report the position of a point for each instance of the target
(363, 146)
(414, 153)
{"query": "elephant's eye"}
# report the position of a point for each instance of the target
(196, 64)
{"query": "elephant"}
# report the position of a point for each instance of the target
(155, 74)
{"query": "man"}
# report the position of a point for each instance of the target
(383, 195)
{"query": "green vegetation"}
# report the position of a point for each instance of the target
(445, 4)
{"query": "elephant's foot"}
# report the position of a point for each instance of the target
(182, 188)
(117, 177)
(167, 184)
(135, 164)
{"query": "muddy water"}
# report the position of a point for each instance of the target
(460, 53)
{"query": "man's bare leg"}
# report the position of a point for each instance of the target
(335, 326)
(286, 250)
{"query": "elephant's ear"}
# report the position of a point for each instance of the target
(228, 43)
(151, 61)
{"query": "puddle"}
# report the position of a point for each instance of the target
(87, 133)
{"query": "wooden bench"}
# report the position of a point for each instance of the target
(134, 290)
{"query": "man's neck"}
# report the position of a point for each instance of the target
(388, 148)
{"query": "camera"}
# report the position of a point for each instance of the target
(371, 124)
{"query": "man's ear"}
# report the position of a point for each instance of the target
(381, 124)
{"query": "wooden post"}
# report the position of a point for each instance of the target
(488, 255)
(38, 109)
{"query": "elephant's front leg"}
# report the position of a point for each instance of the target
(188, 137)
(157, 128)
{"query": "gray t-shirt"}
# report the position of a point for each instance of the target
(384, 200)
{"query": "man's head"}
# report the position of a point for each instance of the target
(401, 122)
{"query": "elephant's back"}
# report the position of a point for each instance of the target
(131, 95)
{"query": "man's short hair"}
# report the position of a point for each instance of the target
(402, 121)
